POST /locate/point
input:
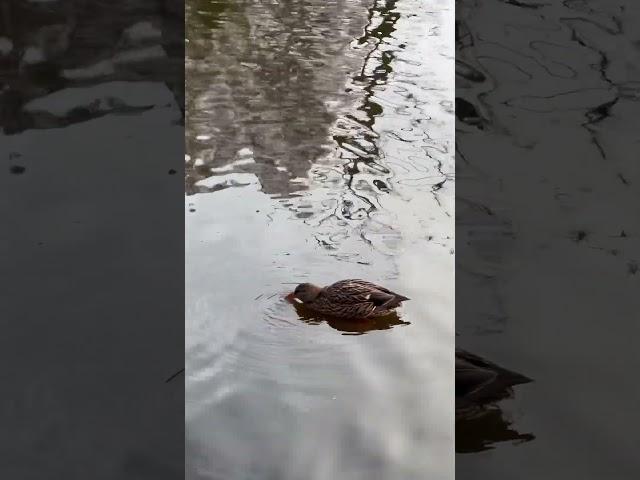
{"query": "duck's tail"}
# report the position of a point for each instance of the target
(395, 301)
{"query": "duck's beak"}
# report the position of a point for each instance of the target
(291, 297)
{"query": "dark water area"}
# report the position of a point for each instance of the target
(319, 147)
(547, 220)
(91, 244)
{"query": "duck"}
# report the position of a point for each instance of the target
(352, 299)
(479, 381)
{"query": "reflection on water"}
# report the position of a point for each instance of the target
(350, 326)
(261, 80)
(546, 96)
(319, 147)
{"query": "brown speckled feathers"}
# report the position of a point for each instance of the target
(356, 299)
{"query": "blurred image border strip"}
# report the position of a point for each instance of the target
(546, 263)
(92, 133)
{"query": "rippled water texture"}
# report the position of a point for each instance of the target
(320, 147)
(546, 107)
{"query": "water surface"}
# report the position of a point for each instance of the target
(319, 147)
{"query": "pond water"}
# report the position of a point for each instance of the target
(319, 147)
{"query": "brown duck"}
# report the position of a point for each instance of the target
(348, 299)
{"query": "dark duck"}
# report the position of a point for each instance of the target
(354, 299)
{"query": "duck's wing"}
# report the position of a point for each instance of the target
(380, 289)
(360, 291)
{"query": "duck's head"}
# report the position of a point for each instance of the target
(306, 292)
